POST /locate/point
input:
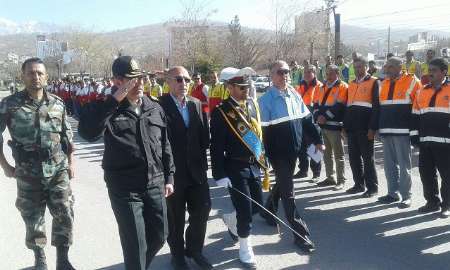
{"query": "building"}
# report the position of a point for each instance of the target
(421, 42)
(313, 32)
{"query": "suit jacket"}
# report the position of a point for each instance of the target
(189, 144)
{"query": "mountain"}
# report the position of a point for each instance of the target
(20, 38)
(8, 27)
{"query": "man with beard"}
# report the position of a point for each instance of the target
(41, 143)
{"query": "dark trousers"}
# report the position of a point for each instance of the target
(284, 189)
(434, 156)
(305, 161)
(246, 182)
(196, 198)
(142, 221)
(362, 161)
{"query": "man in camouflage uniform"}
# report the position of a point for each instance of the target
(41, 143)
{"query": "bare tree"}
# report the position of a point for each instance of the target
(244, 49)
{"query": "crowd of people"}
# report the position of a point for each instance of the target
(161, 132)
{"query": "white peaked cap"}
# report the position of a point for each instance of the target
(231, 72)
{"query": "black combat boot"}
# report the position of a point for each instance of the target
(40, 262)
(62, 259)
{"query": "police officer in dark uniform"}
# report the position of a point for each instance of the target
(235, 157)
(138, 162)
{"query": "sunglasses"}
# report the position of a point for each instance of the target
(243, 87)
(181, 79)
(282, 72)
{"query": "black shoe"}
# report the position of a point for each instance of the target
(429, 208)
(305, 246)
(405, 204)
(355, 189)
(40, 262)
(300, 174)
(387, 199)
(445, 213)
(327, 182)
(369, 194)
(179, 263)
(200, 260)
(268, 218)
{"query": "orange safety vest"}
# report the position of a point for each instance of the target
(431, 113)
(328, 98)
(395, 104)
(307, 91)
(360, 93)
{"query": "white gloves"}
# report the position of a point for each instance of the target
(224, 182)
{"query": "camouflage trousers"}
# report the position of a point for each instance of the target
(33, 196)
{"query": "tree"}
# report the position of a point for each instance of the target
(243, 49)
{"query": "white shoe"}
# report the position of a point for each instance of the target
(246, 255)
(230, 221)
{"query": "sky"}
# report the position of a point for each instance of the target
(109, 15)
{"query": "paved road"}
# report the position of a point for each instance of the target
(351, 233)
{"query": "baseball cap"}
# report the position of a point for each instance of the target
(126, 66)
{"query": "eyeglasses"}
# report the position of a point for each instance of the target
(243, 87)
(181, 79)
(282, 72)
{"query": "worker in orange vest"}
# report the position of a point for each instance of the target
(307, 88)
(360, 125)
(396, 97)
(430, 131)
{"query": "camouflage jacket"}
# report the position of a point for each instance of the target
(39, 132)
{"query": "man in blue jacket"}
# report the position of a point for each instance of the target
(284, 117)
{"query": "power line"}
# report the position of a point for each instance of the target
(393, 13)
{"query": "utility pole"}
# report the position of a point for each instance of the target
(337, 34)
(389, 39)
(331, 6)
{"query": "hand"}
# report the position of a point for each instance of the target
(122, 91)
(71, 171)
(320, 147)
(321, 120)
(224, 182)
(371, 135)
(9, 170)
(168, 190)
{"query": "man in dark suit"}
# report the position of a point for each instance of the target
(189, 136)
